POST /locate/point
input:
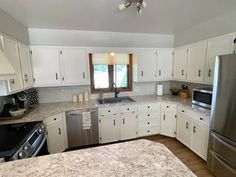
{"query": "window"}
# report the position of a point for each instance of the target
(106, 69)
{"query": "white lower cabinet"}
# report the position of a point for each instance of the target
(193, 131)
(128, 126)
(168, 119)
(148, 119)
(117, 123)
(109, 128)
(56, 134)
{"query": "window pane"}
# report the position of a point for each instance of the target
(101, 76)
(121, 75)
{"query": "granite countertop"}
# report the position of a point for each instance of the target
(131, 159)
(42, 111)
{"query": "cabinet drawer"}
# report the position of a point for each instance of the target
(146, 131)
(168, 107)
(108, 111)
(148, 122)
(128, 109)
(149, 107)
(149, 115)
(194, 114)
(53, 119)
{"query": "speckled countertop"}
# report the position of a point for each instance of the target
(132, 159)
(45, 110)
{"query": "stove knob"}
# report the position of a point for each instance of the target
(21, 155)
(26, 148)
(42, 129)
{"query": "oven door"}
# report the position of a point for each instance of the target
(202, 98)
(42, 148)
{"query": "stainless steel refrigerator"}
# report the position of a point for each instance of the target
(221, 160)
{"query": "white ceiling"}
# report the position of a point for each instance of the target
(160, 16)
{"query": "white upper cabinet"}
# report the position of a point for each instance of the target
(74, 66)
(46, 66)
(145, 65)
(164, 64)
(196, 61)
(217, 46)
(180, 63)
(26, 66)
(10, 49)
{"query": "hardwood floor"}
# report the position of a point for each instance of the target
(189, 158)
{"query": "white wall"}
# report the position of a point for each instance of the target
(11, 27)
(98, 38)
(218, 26)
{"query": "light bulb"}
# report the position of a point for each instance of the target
(122, 7)
(144, 4)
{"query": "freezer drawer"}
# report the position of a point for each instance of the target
(225, 149)
(219, 167)
(77, 135)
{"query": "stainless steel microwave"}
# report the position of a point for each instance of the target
(202, 97)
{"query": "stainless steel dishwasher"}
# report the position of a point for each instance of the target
(79, 135)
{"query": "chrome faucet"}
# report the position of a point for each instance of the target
(115, 89)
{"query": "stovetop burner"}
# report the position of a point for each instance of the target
(13, 136)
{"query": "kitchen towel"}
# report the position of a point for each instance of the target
(86, 120)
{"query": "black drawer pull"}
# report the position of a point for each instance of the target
(148, 131)
(148, 114)
(182, 110)
(201, 118)
(128, 109)
(167, 106)
(148, 106)
(148, 123)
(55, 118)
(109, 111)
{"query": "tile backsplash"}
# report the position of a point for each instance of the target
(57, 94)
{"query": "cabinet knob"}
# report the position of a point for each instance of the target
(182, 110)
(128, 109)
(148, 131)
(167, 106)
(148, 115)
(55, 118)
(109, 111)
(12, 81)
(148, 107)
(201, 118)
(148, 122)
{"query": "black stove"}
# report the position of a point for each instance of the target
(21, 140)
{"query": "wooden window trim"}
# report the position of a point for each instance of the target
(110, 70)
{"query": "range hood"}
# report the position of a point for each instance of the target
(6, 69)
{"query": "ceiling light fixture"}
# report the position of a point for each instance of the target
(140, 4)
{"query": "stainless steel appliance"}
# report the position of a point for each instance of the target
(202, 97)
(19, 141)
(79, 133)
(221, 159)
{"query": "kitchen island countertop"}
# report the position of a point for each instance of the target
(131, 159)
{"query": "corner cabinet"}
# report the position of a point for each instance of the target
(144, 65)
(55, 66)
(217, 46)
(180, 63)
(196, 61)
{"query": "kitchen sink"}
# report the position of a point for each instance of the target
(115, 100)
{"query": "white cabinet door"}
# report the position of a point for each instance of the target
(109, 128)
(26, 65)
(56, 138)
(168, 124)
(180, 63)
(164, 64)
(217, 46)
(196, 61)
(128, 128)
(74, 66)
(200, 134)
(10, 49)
(183, 133)
(46, 66)
(146, 65)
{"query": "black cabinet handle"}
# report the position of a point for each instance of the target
(59, 131)
(164, 117)
(56, 76)
(142, 73)
(182, 72)
(186, 125)
(83, 75)
(209, 73)
(194, 129)
(123, 121)
(199, 73)
(114, 122)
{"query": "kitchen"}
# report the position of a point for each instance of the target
(111, 93)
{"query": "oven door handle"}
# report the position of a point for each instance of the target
(40, 147)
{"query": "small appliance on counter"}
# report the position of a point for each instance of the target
(174, 90)
(202, 97)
